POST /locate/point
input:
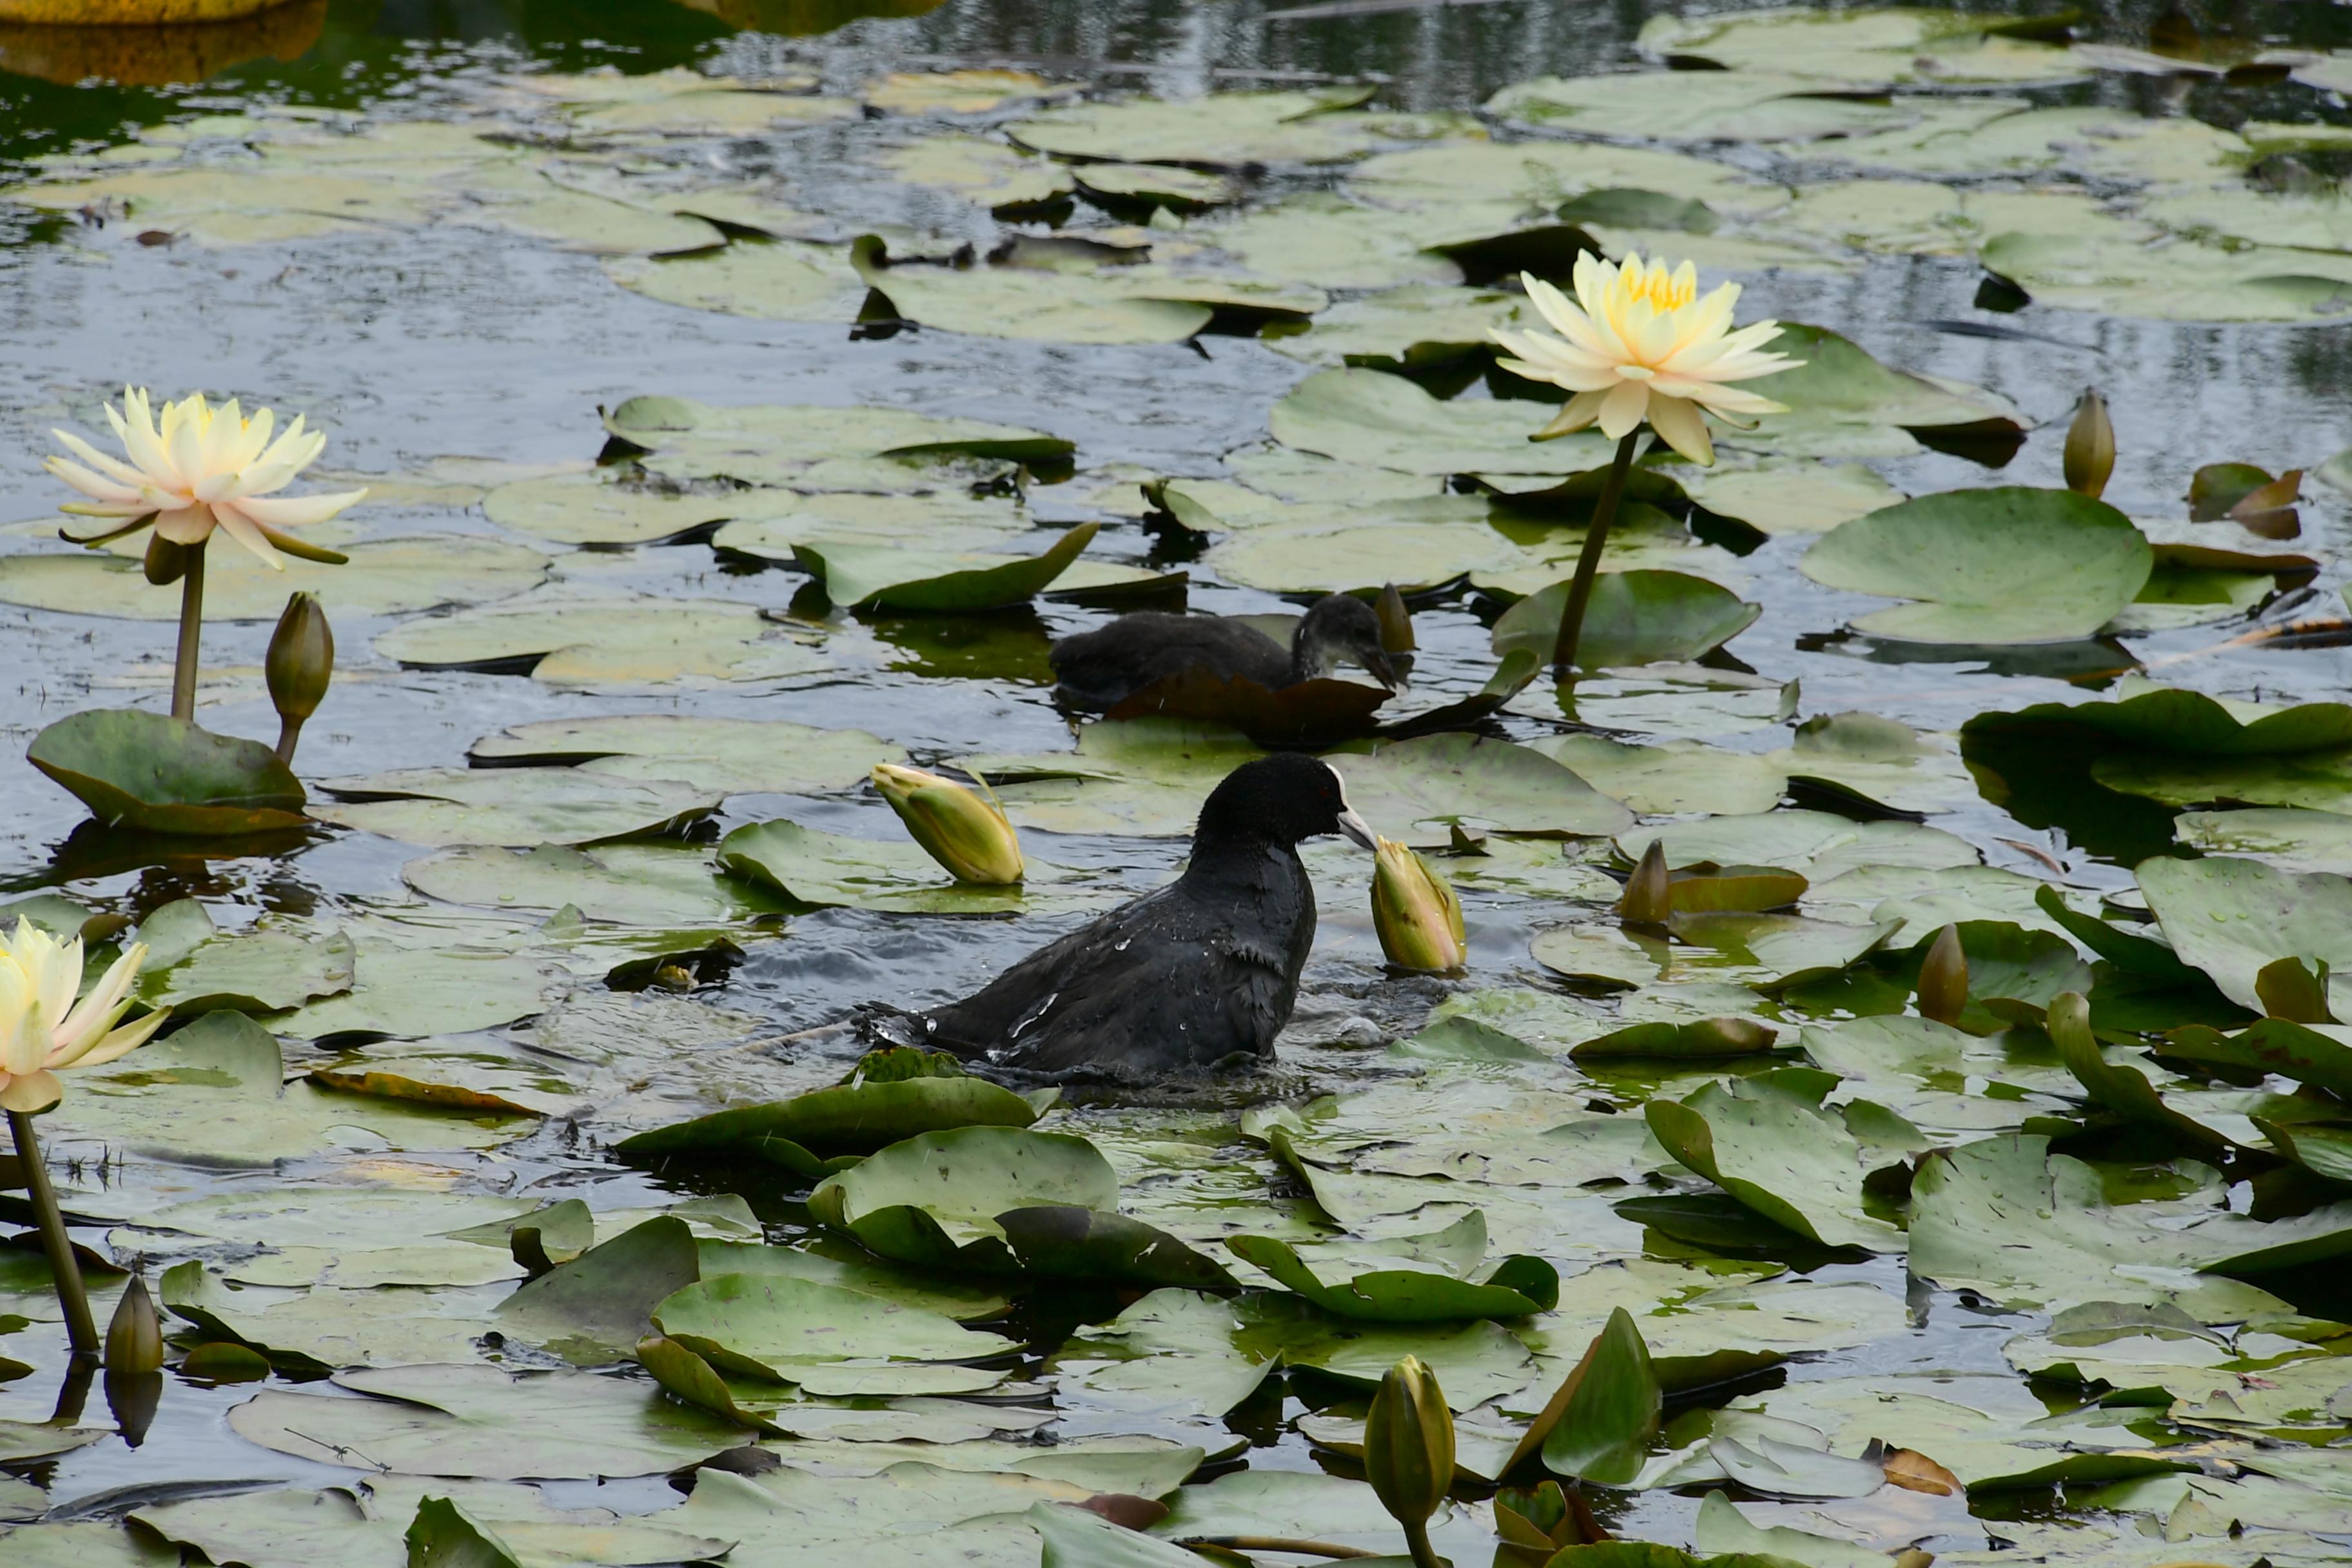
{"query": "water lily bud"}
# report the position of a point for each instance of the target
(300, 663)
(1944, 978)
(1409, 1443)
(1417, 914)
(967, 834)
(1649, 892)
(134, 1338)
(167, 562)
(1396, 621)
(2090, 446)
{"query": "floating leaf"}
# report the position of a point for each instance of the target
(1514, 1287)
(773, 1327)
(518, 806)
(871, 577)
(385, 577)
(851, 1118)
(1476, 781)
(1780, 1155)
(1633, 617)
(933, 1199)
(1989, 566)
(157, 774)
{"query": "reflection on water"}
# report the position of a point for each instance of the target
(154, 57)
(803, 18)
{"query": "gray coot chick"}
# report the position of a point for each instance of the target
(1181, 980)
(1103, 668)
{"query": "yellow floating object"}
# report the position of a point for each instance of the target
(68, 41)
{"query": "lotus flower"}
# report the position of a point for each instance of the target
(43, 1029)
(967, 834)
(204, 465)
(1638, 342)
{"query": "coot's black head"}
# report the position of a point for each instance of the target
(1341, 625)
(1280, 800)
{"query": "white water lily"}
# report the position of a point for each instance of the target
(44, 1030)
(1640, 342)
(200, 467)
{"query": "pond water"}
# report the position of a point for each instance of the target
(461, 237)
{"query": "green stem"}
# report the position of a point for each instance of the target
(1416, 1534)
(79, 1327)
(192, 625)
(1587, 563)
(289, 732)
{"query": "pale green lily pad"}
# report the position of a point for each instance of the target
(601, 509)
(1690, 700)
(2232, 917)
(1777, 498)
(1779, 1154)
(265, 970)
(523, 806)
(1817, 843)
(778, 281)
(1020, 302)
(933, 1199)
(1474, 782)
(485, 1423)
(2292, 839)
(773, 1326)
(1142, 776)
(851, 1119)
(878, 577)
(107, 1545)
(1397, 1283)
(325, 1328)
(932, 523)
(1385, 421)
(1220, 130)
(2117, 273)
(909, 1515)
(1002, 178)
(1696, 106)
(2068, 1244)
(1879, 760)
(1865, 47)
(1843, 402)
(808, 866)
(1632, 618)
(655, 886)
(1672, 776)
(384, 577)
(604, 643)
(768, 443)
(768, 756)
(1410, 327)
(2006, 565)
(2145, 714)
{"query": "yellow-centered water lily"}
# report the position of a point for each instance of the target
(42, 1030)
(967, 834)
(200, 467)
(1415, 912)
(1639, 342)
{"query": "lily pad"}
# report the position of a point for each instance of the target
(512, 806)
(933, 1199)
(1406, 1289)
(1474, 782)
(821, 869)
(1387, 422)
(776, 1328)
(871, 577)
(767, 443)
(384, 577)
(1225, 130)
(1780, 1155)
(1023, 302)
(1633, 617)
(850, 1119)
(601, 643)
(771, 756)
(1989, 566)
(2231, 917)
(158, 774)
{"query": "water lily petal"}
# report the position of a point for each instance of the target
(31, 1091)
(1680, 424)
(295, 511)
(98, 486)
(1622, 408)
(241, 528)
(185, 525)
(113, 468)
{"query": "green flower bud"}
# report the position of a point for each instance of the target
(134, 1338)
(1944, 978)
(1417, 916)
(301, 659)
(1409, 1444)
(2090, 446)
(167, 562)
(967, 834)
(1649, 892)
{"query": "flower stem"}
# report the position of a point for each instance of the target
(79, 1327)
(1277, 1544)
(1587, 563)
(1416, 1534)
(192, 624)
(289, 732)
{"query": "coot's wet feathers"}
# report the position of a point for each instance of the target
(1182, 979)
(1101, 668)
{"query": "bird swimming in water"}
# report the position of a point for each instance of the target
(1184, 979)
(1101, 668)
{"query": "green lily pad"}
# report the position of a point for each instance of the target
(767, 443)
(438, 806)
(821, 869)
(775, 1328)
(1867, 48)
(485, 1423)
(600, 643)
(2144, 715)
(877, 577)
(850, 1119)
(770, 756)
(2231, 917)
(780, 280)
(1672, 776)
(595, 1308)
(1786, 496)
(1989, 566)
(2067, 1242)
(1009, 182)
(384, 577)
(655, 886)
(1474, 782)
(1633, 617)
(1599, 1425)
(158, 774)
(1064, 1241)
(266, 970)
(1514, 1287)
(932, 523)
(933, 1199)
(1223, 130)
(1780, 1155)
(1385, 421)
(1691, 106)
(1029, 303)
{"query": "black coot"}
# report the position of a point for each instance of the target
(1181, 980)
(1103, 668)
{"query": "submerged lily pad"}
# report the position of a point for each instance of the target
(1988, 566)
(158, 774)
